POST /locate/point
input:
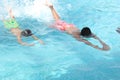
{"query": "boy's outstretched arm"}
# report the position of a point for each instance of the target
(36, 38)
(23, 43)
(105, 46)
(89, 43)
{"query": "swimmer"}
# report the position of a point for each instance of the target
(12, 25)
(74, 31)
(118, 30)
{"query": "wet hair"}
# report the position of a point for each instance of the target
(86, 32)
(118, 30)
(26, 33)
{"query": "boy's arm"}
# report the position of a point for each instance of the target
(36, 38)
(23, 43)
(105, 46)
(89, 43)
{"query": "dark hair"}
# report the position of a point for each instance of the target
(86, 32)
(26, 33)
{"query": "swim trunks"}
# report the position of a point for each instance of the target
(61, 25)
(11, 23)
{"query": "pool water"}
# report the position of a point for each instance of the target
(62, 57)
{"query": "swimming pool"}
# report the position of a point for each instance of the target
(62, 57)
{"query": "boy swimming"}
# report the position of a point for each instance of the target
(12, 25)
(74, 31)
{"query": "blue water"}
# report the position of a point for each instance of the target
(62, 57)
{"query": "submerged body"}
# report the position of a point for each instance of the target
(63, 26)
(74, 31)
(12, 25)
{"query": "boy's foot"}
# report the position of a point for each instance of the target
(50, 5)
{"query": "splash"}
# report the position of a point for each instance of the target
(27, 8)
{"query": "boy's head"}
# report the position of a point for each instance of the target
(26, 33)
(86, 32)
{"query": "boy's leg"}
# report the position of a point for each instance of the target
(54, 13)
(11, 13)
